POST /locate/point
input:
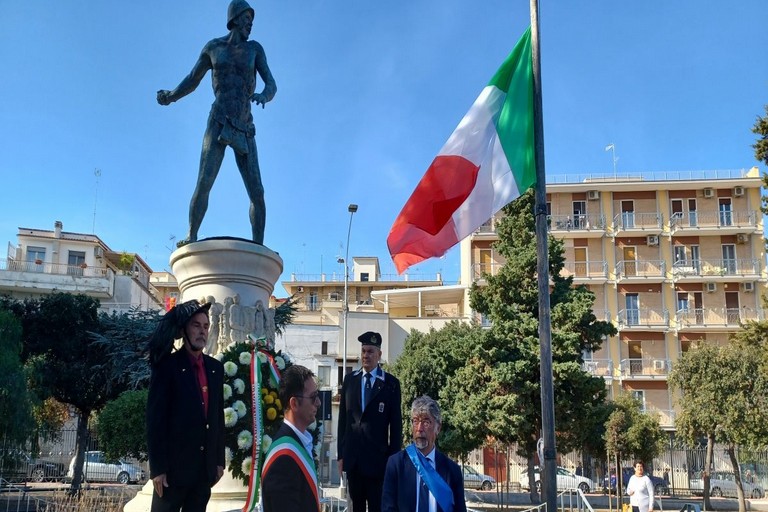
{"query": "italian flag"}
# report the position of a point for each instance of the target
(487, 162)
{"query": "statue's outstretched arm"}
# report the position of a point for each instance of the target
(189, 83)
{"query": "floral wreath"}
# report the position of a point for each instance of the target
(239, 415)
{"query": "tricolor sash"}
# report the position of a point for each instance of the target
(435, 483)
(258, 432)
(289, 447)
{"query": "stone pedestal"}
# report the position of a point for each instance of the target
(221, 268)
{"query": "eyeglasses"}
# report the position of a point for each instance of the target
(426, 422)
(314, 396)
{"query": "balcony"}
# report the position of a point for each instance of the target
(641, 271)
(721, 223)
(626, 223)
(645, 368)
(711, 270)
(581, 225)
(666, 416)
(480, 270)
(716, 319)
(643, 319)
(599, 367)
(585, 271)
(44, 277)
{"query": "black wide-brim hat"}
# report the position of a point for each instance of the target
(370, 338)
(171, 327)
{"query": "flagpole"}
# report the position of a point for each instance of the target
(548, 467)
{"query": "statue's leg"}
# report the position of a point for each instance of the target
(211, 157)
(249, 170)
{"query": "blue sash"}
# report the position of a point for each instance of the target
(435, 483)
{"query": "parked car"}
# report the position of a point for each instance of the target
(17, 465)
(97, 468)
(475, 480)
(723, 483)
(660, 487)
(565, 480)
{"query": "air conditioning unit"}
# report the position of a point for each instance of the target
(300, 289)
(98, 251)
(593, 195)
(653, 239)
(738, 191)
(709, 193)
(748, 287)
(659, 364)
(711, 287)
(742, 238)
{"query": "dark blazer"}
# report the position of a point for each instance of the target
(399, 493)
(369, 436)
(177, 428)
(284, 486)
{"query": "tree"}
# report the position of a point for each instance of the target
(723, 395)
(121, 426)
(508, 361)
(16, 420)
(631, 433)
(761, 145)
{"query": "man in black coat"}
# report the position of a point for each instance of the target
(289, 478)
(420, 466)
(185, 412)
(368, 434)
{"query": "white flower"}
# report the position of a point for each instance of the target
(245, 358)
(239, 386)
(227, 391)
(280, 362)
(262, 357)
(244, 440)
(266, 442)
(246, 465)
(219, 357)
(230, 417)
(312, 425)
(230, 368)
(227, 454)
(239, 408)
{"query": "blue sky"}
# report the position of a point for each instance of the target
(368, 92)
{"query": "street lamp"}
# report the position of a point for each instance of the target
(352, 208)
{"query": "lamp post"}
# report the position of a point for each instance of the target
(352, 208)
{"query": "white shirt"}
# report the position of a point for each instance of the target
(305, 437)
(377, 373)
(642, 492)
(432, 502)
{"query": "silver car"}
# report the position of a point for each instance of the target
(723, 483)
(97, 468)
(475, 480)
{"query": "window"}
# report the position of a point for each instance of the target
(628, 214)
(639, 395)
(323, 375)
(340, 374)
(729, 258)
(74, 262)
(726, 215)
(633, 309)
(579, 215)
(682, 302)
(312, 302)
(35, 258)
(364, 276)
(324, 350)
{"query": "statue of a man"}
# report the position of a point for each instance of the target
(234, 61)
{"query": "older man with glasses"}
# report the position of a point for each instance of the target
(420, 478)
(289, 477)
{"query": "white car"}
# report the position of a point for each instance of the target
(723, 483)
(96, 467)
(565, 480)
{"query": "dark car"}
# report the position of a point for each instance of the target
(17, 465)
(660, 487)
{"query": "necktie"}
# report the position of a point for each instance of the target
(424, 491)
(202, 381)
(367, 396)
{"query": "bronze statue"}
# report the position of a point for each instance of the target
(234, 61)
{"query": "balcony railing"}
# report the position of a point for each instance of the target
(585, 269)
(577, 222)
(717, 317)
(54, 268)
(626, 269)
(635, 220)
(480, 269)
(699, 220)
(599, 367)
(666, 416)
(726, 267)
(644, 367)
(643, 317)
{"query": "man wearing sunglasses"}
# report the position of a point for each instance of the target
(289, 477)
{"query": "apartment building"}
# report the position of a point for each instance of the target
(672, 259)
(43, 261)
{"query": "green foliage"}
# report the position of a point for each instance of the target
(285, 313)
(632, 433)
(125, 263)
(509, 359)
(16, 420)
(121, 426)
(761, 145)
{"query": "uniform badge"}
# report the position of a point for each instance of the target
(381, 406)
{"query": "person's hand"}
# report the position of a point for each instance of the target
(259, 99)
(219, 473)
(158, 483)
(163, 97)
(340, 463)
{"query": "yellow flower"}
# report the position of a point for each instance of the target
(273, 394)
(264, 391)
(269, 399)
(278, 404)
(271, 413)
